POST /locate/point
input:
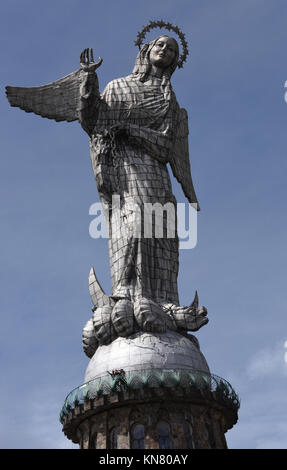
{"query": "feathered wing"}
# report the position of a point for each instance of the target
(58, 100)
(179, 160)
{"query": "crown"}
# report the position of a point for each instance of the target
(170, 27)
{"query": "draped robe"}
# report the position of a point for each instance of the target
(136, 127)
(132, 164)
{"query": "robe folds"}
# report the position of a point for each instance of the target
(134, 126)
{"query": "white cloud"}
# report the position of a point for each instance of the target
(45, 428)
(268, 361)
(265, 429)
(261, 386)
(33, 422)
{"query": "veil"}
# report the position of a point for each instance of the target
(143, 66)
(179, 156)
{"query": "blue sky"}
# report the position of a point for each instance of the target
(233, 89)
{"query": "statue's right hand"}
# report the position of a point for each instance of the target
(87, 61)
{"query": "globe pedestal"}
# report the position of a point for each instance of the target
(150, 391)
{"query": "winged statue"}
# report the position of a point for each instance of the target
(135, 127)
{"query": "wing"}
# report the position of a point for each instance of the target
(179, 160)
(58, 100)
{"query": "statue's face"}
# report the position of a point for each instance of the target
(163, 52)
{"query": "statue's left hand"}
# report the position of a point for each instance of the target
(87, 61)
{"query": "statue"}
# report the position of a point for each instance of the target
(136, 128)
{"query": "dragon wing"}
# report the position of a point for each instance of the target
(179, 160)
(58, 100)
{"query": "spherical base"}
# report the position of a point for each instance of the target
(143, 351)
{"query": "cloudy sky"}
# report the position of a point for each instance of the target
(233, 89)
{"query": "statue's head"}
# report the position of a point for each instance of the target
(163, 52)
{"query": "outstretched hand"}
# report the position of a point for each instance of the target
(87, 61)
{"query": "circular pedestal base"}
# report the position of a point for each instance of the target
(143, 351)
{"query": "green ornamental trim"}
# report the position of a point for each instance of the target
(209, 386)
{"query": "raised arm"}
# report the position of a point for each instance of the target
(70, 98)
(89, 91)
